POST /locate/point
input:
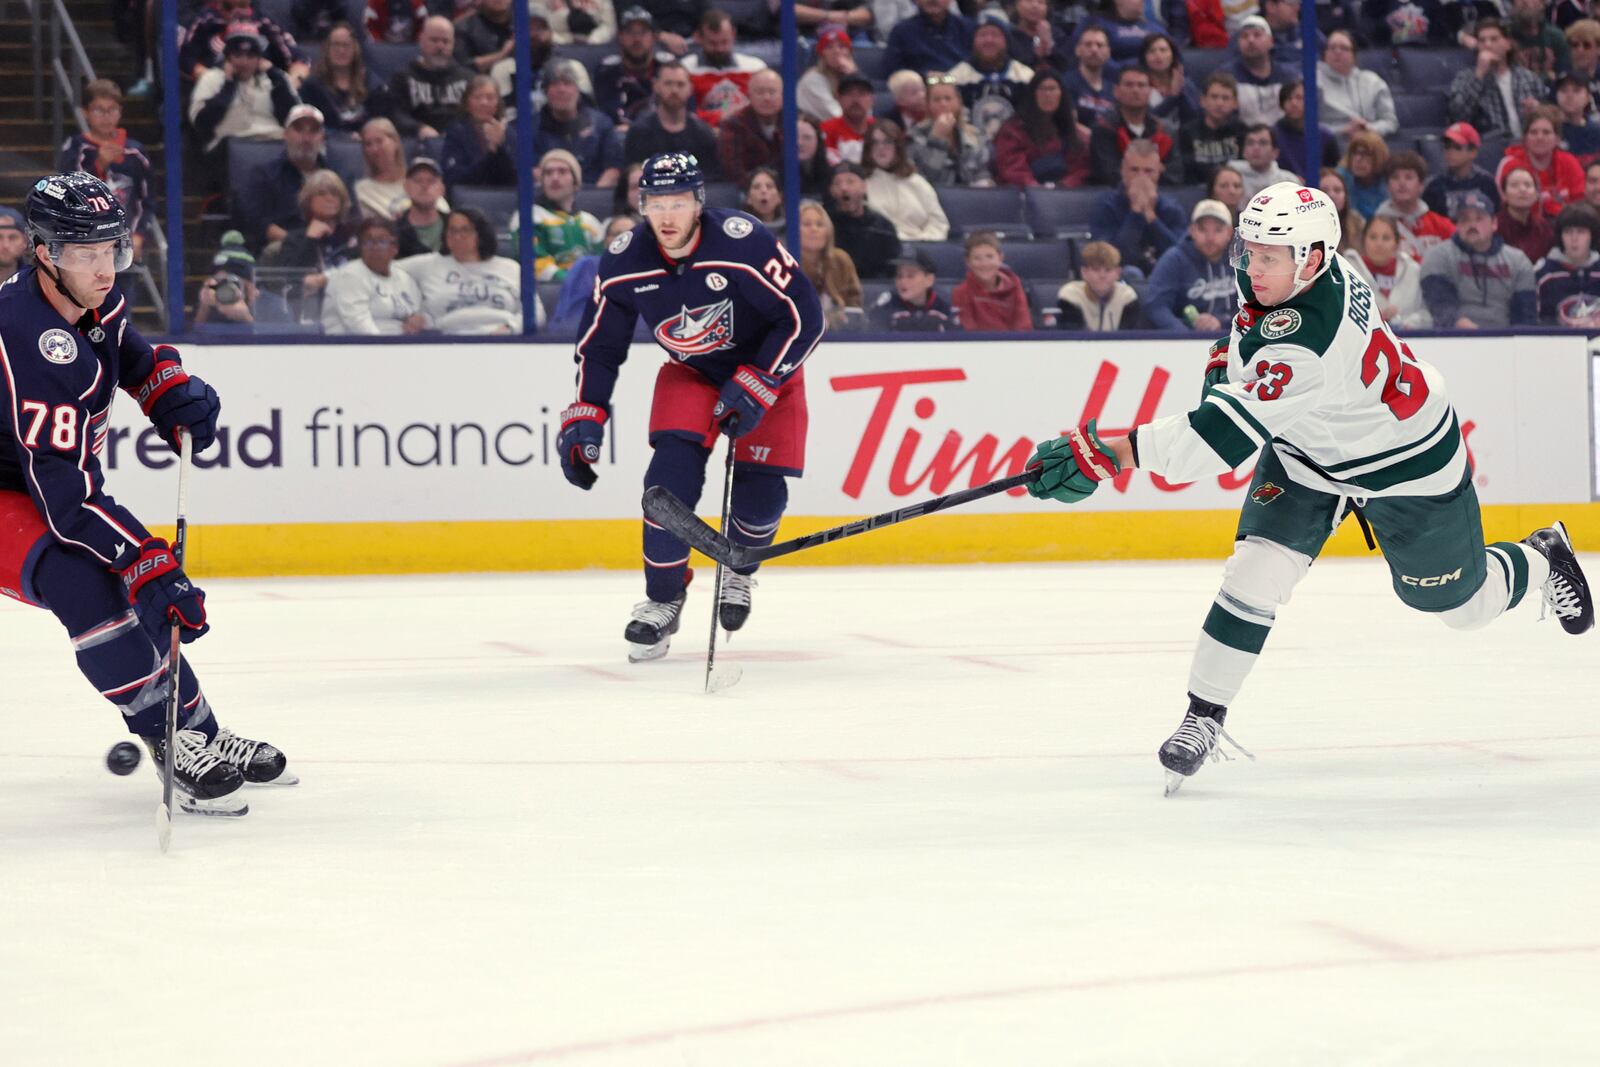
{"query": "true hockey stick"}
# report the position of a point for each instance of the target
(164, 812)
(720, 678)
(678, 519)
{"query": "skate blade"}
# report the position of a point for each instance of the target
(724, 677)
(288, 777)
(1174, 782)
(646, 653)
(229, 807)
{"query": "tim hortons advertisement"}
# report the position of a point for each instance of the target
(438, 433)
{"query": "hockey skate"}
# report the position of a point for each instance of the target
(1566, 592)
(259, 762)
(734, 607)
(649, 632)
(204, 783)
(1195, 742)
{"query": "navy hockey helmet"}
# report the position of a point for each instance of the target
(672, 172)
(77, 209)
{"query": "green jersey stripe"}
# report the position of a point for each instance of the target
(1378, 457)
(1238, 406)
(1222, 435)
(1432, 461)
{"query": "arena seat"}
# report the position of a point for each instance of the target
(1060, 212)
(385, 60)
(997, 209)
(1424, 70)
(949, 259)
(1420, 110)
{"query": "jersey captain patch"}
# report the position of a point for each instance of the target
(696, 331)
(58, 346)
(1280, 324)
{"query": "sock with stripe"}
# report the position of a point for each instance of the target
(759, 498)
(680, 466)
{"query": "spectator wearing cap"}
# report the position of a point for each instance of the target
(1090, 82)
(752, 137)
(1560, 174)
(1540, 46)
(914, 304)
(204, 45)
(1495, 92)
(1258, 74)
(561, 232)
(865, 236)
(580, 21)
(1520, 222)
(421, 224)
(566, 122)
(817, 92)
(1136, 216)
(393, 21)
(945, 147)
(991, 296)
(830, 267)
(1460, 145)
(895, 189)
(719, 76)
(1193, 287)
(13, 242)
(908, 99)
(935, 38)
(1418, 227)
(624, 82)
(1291, 132)
(1283, 20)
(1217, 136)
(1350, 99)
(426, 95)
(1395, 277)
(1567, 279)
(992, 84)
(105, 150)
(1580, 132)
(230, 301)
(372, 296)
(1043, 143)
(1129, 121)
(670, 126)
(477, 150)
(1099, 301)
(1476, 280)
(843, 137)
(1126, 28)
(245, 97)
(267, 206)
(466, 288)
(484, 36)
(341, 86)
(1583, 41)
(381, 193)
(1259, 168)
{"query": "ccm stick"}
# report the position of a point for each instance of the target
(164, 812)
(677, 518)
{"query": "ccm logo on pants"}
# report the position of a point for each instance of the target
(1429, 583)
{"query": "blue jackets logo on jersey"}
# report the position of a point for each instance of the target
(696, 331)
(58, 346)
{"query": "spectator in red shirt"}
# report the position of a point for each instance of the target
(720, 76)
(1559, 173)
(992, 296)
(1520, 223)
(1042, 144)
(844, 135)
(1418, 227)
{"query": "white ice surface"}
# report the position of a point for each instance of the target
(926, 829)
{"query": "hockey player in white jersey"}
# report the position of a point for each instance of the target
(1341, 417)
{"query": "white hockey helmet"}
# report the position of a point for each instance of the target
(1292, 215)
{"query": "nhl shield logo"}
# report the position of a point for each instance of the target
(58, 346)
(1266, 493)
(696, 331)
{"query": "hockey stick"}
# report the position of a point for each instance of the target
(164, 812)
(720, 678)
(678, 519)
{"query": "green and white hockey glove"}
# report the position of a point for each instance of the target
(1071, 466)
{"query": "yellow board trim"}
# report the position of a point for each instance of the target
(578, 544)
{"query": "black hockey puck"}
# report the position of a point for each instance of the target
(123, 758)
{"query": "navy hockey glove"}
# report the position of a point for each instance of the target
(172, 399)
(744, 399)
(583, 429)
(1071, 466)
(1216, 367)
(160, 593)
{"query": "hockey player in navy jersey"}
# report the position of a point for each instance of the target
(737, 315)
(66, 346)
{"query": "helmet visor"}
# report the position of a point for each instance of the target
(96, 258)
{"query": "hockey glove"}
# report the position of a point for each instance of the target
(1071, 466)
(1216, 367)
(745, 398)
(172, 399)
(583, 429)
(161, 593)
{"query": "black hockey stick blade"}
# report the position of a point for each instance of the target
(678, 519)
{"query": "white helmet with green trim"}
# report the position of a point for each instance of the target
(1291, 215)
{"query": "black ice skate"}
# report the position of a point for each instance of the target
(259, 762)
(1195, 742)
(734, 607)
(204, 783)
(650, 631)
(1566, 592)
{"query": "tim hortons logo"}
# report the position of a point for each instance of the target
(900, 393)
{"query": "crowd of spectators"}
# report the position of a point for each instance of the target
(366, 158)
